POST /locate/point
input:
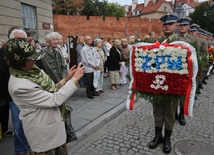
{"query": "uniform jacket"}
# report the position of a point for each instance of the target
(39, 112)
(170, 38)
(54, 65)
(193, 40)
(203, 46)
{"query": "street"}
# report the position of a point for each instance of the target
(131, 131)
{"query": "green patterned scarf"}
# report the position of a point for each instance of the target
(42, 79)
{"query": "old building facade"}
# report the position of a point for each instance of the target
(31, 15)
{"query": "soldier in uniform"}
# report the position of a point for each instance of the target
(164, 110)
(184, 25)
(203, 55)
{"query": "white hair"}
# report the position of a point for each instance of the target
(59, 36)
(132, 37)
(97, 41)
(50, 35)
(12, 34)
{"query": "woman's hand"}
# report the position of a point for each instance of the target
(78, 73)
(70, 73)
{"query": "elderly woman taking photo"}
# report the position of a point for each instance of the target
(39, 98)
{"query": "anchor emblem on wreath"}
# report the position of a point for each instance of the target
(158, 83)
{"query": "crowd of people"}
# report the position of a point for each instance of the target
(36, 80)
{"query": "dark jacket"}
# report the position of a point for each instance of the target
(4, 78)
(114, 59)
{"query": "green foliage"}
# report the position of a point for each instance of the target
(67, 7)
(203, 16)
(114, 9)
(99, 8)
(158, 98)
(88, 8)
(92, 8)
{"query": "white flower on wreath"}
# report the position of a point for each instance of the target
(141, 53)
(184, 71)
(174, 58)
(136, 49)
(183, 59)
(159, 53)
(184, 65)
(144, 53)
(183, 52)
(176, 71)
(137, 69)
(136, 54)
(154, 70)
(152, 61)
(149, 64)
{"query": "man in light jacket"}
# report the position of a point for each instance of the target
(90, 59)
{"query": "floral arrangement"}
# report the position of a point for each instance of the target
(163, 71)
(167, 68)
(211, 54)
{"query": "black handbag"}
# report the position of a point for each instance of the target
(71, 135)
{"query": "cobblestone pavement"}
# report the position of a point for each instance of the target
(131, 131)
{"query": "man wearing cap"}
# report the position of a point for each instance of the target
(194, 30)
(164, 110)
(169, 22)
(203, 54)
(184, 25)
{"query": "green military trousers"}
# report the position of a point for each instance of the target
(164, 113)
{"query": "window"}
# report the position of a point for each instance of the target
(184, 13)
(165, 10)
(29, 19)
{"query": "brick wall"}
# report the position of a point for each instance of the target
(110, 27)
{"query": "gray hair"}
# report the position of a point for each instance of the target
(151, 33)
(132, 37)
(124, 40)
(59, 36)
(50, 35)
(12, 34)
(117, 42)
(97, 41)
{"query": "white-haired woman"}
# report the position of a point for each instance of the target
(53, 62)
(98, 44)
(114, 64)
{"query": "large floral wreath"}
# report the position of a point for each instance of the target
(166, 70)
